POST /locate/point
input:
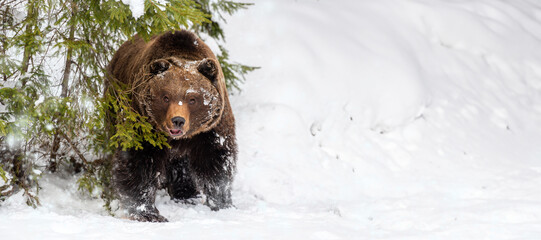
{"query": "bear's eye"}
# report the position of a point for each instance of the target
(166, 99)
(192, 101)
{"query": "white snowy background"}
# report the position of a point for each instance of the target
(412, 119)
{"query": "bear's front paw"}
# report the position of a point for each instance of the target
(148, 217)
(146, 214)
(217, 205)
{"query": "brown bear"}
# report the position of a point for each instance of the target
(178, 84)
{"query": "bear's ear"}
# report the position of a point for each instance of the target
(209, 69)
(159, 66)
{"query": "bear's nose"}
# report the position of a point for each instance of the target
(178, 121)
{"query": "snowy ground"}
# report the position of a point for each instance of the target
(416, 119)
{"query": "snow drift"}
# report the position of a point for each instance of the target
(368, 120)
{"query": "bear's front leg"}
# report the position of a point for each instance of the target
(218, 194)
(136, 178)
(213, 165)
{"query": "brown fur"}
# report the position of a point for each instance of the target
(175, 76)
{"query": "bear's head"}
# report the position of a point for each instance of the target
(183, 98)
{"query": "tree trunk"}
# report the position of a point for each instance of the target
(64, 93)
(5, 15)
(67, 69)
(31, 15)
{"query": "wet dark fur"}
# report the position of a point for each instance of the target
(199, 164)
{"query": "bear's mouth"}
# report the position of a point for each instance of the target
(176, 132)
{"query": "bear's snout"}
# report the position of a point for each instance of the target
(177, 120)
